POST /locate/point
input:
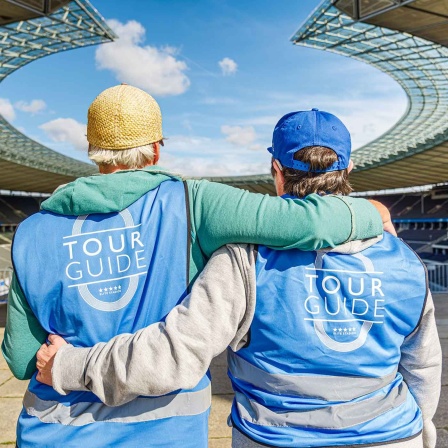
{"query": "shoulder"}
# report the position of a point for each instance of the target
(195, 184)
(239, 249)
(234, 254)
(244, 255)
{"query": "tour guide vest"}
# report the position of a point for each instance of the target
(321, 366)
(89, 278)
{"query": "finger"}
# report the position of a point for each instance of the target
(41, 359)
(389, 227)
(53, 338)
(41, 352)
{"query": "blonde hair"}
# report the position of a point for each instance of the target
(132, 158)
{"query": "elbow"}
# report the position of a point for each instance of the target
(190, 379)
(184, 385)
(320, 239)
(21, 375)
(21, 372)
(180, 382)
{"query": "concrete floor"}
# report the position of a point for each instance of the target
(11, 392)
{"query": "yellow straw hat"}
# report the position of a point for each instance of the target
(124, 117)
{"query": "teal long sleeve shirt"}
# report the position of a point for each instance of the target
(219, 215)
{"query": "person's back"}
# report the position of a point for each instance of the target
(321, 365)
(93, 276)
(90, 278)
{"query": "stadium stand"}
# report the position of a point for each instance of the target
(413, 207)
(13, 210)
(421, 219)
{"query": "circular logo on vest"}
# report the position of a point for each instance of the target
(124, 296)
(352, 323)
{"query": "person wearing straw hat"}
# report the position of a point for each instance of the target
(115, 253)
(325, 348)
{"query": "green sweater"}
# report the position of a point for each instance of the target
(219, 215)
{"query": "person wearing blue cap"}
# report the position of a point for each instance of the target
(298, 130)
(336, 347)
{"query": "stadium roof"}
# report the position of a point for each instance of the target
(19, 10)
(415, 150)
(25, 164)
(405, 39)
(423, 18)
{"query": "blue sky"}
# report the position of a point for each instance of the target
(223, 72)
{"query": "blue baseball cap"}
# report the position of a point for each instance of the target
(299, 130)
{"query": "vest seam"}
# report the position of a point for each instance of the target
(249, 333)
(14, 266)
(366, 445)
(195, 241)
(187, 206)
(426, 283)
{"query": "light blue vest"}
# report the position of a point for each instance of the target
(89, 278)
(321, 365)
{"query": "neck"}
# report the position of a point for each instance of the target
(109, 169)
(279, 189)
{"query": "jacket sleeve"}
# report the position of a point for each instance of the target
(421, 367)
(169, 355)
(223, 214)
(23, 334)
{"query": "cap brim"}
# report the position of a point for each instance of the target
(271, 150)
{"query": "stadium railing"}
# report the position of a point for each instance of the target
(5, 282)
(438, 277)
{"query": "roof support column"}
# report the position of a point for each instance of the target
(356, 9)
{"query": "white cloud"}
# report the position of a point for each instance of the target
(33, 107)
(207, 157)
(365, 118)
(155, 70)
(194, 155)
(263, 120)
(7, 109)
(203, 167)
(67, 130)
(239, 135)
(228, 66)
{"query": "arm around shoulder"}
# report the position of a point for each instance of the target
(223, 214)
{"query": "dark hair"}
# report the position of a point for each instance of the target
(302, 183)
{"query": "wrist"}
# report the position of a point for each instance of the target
(68, 369)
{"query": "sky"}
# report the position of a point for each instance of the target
(223, 71)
